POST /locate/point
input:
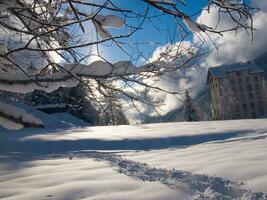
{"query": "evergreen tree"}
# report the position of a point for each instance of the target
(112, 113)
(190, 111)
(80, 105)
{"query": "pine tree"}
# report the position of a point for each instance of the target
(80, 105)
(112, 113)
(190, 111)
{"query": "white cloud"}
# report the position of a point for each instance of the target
(236, 48)
(168, 52)
(174, 80)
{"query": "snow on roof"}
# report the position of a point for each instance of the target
(221, 71)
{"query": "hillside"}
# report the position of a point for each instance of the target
(201, 103)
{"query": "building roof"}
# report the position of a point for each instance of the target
(221, 71)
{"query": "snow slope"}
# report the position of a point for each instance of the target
(50, 122)
(200, 160)
(70, 119)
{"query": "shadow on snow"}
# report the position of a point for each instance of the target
(46, 147)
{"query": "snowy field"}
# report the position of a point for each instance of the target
(199, 160)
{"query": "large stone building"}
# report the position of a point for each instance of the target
(238, 91)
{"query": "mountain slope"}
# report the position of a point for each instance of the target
(201, 104)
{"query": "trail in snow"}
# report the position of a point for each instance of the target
(201, 187)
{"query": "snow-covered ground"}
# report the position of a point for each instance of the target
(199, 160)
(74, 179)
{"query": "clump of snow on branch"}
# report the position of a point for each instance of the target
(194, 26)
(15, 118)
(47, 86)
(103, 69)
(69, 76)
(102, 23)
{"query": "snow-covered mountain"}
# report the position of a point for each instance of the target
(201, 103)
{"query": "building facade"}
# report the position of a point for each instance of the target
(237, 91)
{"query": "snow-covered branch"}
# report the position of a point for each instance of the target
(69, 76)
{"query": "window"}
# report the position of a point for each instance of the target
(252, 106)
(232, 81)
(244, 107)
(243, 97)
(245, 114)
(215, 111)
(250, 96)
(257, 86)
(260, 104)
(248, 87)
(247, 79)
(256, 78)
(235, 97)
(237, 109)
(238, 73)
(240, 80)
(238, 116)
(258, 95)
(233, 89)
(241, 88)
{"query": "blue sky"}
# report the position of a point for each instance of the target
(149, 33)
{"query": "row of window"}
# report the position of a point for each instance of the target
(239, 116)
(241, 88)
(241, 80)
(234, 88)
(249, 96)
(247, 115)
(245, 107)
